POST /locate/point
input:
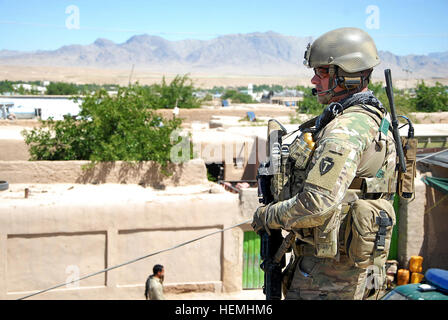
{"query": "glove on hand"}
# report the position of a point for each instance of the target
(259, 220)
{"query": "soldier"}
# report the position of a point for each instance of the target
(337, 201)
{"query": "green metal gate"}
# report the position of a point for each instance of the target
(393, 251)
(253, 276)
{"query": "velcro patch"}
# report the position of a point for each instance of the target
(384, 126)
(328, 167)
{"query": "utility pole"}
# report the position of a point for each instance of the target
(132, 72)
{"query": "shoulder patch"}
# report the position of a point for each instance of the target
(326, 164)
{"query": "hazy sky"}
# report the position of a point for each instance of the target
(399, 26)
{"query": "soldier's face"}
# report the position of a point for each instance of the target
(321, 80)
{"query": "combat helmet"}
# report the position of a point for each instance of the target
(348, 52)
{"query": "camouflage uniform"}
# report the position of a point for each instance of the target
(341, 155)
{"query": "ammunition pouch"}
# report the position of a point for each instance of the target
(368, 232)
(292, 160)
(300, 152)
(326, 237)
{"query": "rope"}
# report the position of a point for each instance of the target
(134, 260)
(436, 204)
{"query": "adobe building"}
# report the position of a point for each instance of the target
(74, 222)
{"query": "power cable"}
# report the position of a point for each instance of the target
(432, 155)
(134, 260)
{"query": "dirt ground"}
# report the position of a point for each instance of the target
(436, 117)
(12, 146)
(205, 114)
(243, 295)
(80, 75)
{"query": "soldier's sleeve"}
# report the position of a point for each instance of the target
(332, 169)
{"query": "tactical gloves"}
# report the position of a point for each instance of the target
(259, 220)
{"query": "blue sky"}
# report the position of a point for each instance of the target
(405, 26)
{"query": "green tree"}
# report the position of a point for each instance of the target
(309, 104)
(404, 104)
(62, 88)
(6, 86)
(109, 128)
(266, 87)
(21, 90)
(237, 97)
(178, 93)
(431, 99)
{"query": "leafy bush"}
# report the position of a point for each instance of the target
(6, 86)
(62, 88)
(237, 97)
(267, 87)
(108, 128)
(178, 93)
(309, 104)
(404, 103)
(208, 97)
(431, 99)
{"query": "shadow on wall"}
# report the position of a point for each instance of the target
(147, 173)
(435, 249)
(256, 155)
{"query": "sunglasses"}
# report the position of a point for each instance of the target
(321, 72)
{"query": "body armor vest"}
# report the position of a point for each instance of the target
(374, 180)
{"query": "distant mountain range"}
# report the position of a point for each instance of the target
(251, 54)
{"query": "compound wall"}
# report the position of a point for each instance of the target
(66, 230)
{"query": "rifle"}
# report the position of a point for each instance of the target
(273, 262)
(270, 243)
(390, 97)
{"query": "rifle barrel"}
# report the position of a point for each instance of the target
(396, 133)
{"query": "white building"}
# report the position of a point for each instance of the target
(29, 87)
(55, 107)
